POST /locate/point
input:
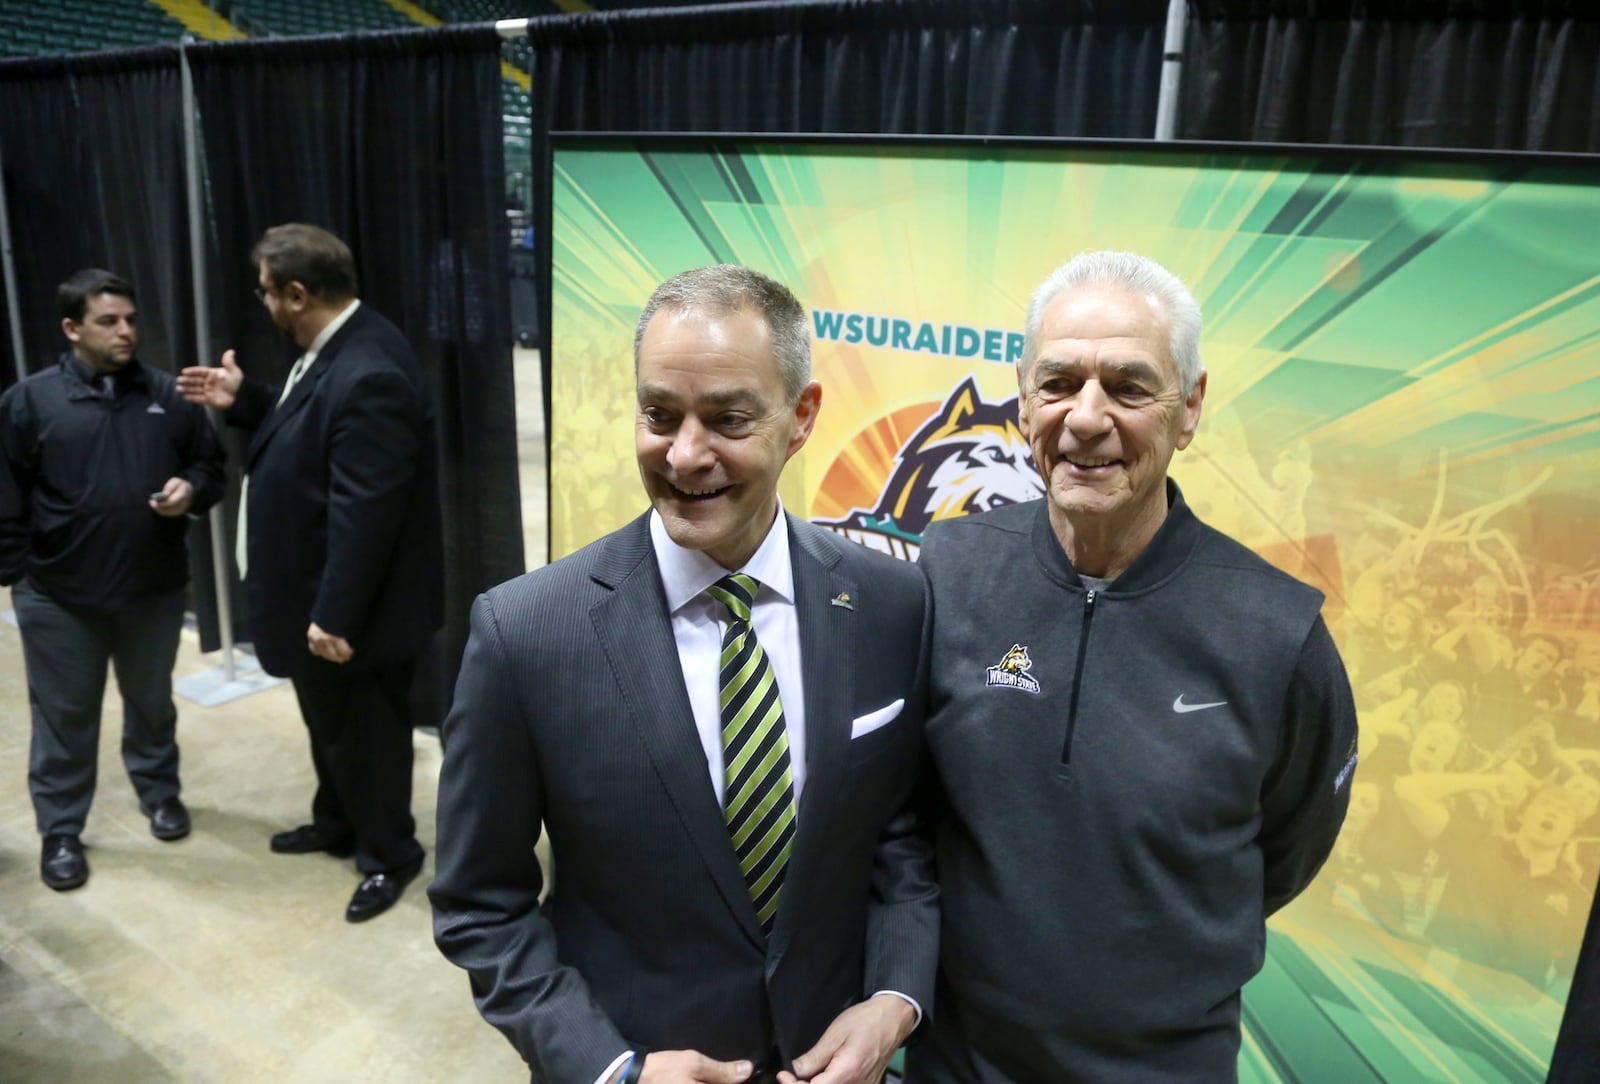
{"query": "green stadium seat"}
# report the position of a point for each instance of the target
(43, 27)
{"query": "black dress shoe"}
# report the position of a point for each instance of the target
(169, 820)
(379, 891)
(309, 839)
(61, 863)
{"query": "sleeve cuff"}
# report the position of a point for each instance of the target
(611, 1069)
(908, 1000)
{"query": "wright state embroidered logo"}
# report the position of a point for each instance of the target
(1011, 672)
(969, 456)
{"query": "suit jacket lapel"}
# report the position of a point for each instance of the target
(301, 392)
(827, 650)
(635, 632)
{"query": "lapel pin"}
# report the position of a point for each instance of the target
(843, 599)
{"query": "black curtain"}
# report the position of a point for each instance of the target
(978, 67)
(93, 153)
(1495, 74)
(393, 142)
(94, 177)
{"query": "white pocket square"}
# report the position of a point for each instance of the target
(874, 719)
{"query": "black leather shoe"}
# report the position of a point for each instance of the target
(309, 839)
(379, 891)
(61, 863)
(169, 820)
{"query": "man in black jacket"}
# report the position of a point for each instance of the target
(101, 461)
(339, 547)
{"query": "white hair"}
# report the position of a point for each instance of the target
(1137, 274)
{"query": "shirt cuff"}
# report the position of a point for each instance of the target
(908, 1000)
(624, 1056)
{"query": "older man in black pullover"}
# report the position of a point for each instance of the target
(1144, 732)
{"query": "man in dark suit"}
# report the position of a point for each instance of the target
(716, 713)
(339, 547)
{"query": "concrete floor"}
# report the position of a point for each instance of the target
(212, 959)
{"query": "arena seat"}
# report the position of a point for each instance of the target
(46, 28)
(473, 11)
(291, 17)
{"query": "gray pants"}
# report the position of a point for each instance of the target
(65, 650)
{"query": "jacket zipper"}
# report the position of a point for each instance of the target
(1077, 677)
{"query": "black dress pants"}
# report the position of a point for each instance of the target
(360, 729)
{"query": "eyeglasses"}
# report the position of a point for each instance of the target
(261, 292)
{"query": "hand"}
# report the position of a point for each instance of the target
(857, 1046)
(325, 645)
(212, 386)
(180, 494)
(692, 1067)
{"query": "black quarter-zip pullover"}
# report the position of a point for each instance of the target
(79, 457)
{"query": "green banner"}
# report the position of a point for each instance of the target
(1401, 410)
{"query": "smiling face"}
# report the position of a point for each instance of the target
(1104, 411)
(108, 335)
(714, 429)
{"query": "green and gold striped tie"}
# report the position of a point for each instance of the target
(758, 777)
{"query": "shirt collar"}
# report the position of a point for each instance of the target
(321, 341)
(686, 573)
(132, 372)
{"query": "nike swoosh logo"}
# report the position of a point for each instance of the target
(1183, 709)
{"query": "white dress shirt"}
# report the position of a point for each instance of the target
(698, 621)
(309, 358)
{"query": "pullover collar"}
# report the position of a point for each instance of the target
(1179, 534)
(84, 383)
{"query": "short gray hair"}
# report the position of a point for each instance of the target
(724, 289)
(1137, 274)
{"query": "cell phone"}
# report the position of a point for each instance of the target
(159, 495)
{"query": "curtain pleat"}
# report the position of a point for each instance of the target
(1088, 68)
(393, 141)
(1491, 74)
(94, 177)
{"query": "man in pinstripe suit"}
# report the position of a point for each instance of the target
(716, 713)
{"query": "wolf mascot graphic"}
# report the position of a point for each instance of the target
(1016, 661)
(1011, 672)
(969, 457)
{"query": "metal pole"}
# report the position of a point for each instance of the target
(202, 335)
(1171, 70)
(511, 28)
(13, 306)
